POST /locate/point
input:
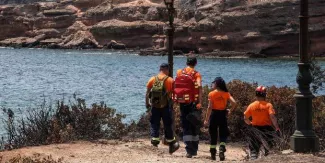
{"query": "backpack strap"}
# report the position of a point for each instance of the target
(184, 72)
(163, 80)
(192, 73)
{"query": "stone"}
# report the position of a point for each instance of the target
(58, 12)
(77, 26)
(289, 151)
(80, 40)
(19, 42)
(115, 45)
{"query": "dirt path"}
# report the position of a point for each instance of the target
(115, 151)
(140, 151)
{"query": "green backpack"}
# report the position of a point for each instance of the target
(159, 97)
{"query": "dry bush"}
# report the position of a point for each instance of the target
(36, 158)
(64, 123)
(244, 93)
(319, 119)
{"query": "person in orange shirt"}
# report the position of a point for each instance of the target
(190, 131)
(158, 100)
(216, 116)
(264, 120)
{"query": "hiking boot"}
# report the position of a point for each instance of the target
(266, 153)
(155, 143)
(254, 156)
(189, 155)
(213, 152)
(222, 150)
(173, 146)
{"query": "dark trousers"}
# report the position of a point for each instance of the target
(258, 136)
(166, 115)
(190, 131)
(218, 120)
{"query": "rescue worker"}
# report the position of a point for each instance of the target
(158, 99)
(189, 102)
(216, 116)
(263, 119)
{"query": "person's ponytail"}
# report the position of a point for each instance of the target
(221, 84)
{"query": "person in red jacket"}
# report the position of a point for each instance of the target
(263, 119)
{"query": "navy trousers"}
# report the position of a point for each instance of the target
(218, 120)
(166, 115)
(190, 131)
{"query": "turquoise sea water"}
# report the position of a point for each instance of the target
(28, 76)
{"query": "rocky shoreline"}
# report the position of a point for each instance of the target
(252, 28)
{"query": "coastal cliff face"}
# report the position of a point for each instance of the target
(206, 26)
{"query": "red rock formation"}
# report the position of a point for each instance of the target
(207, 26)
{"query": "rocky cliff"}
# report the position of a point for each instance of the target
(206, 26)
(22, 1)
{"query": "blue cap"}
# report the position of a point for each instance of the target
(164, 66)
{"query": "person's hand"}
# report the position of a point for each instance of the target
(198, 106)
(229, 113)
(278, 132)
(206, 123)
(148, 105)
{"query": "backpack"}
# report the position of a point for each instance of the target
(185, 88)
(159, 97)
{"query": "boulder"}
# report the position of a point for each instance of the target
(77, 26)
(27, 10)
(47, 5)
(7, 10)
(128, 12)
(132, 34)
(85, 4)
(12, 26)
(55, 22)
(20, 42)
(48, 33)
(80, 40)
(115, 45)
(53, 43)
(59, 12)
(155, 14)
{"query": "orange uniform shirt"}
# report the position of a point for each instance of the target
(219, 99)
(260, 112)
(189, 70)
(168, 82)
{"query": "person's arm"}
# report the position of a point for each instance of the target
(247, 121)
(199, 83)
(247, 115)
(207, 117)
(273, 118)
(149, 86)
(233, 105)
(147, 98)
(200, 97)
(274, 122)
